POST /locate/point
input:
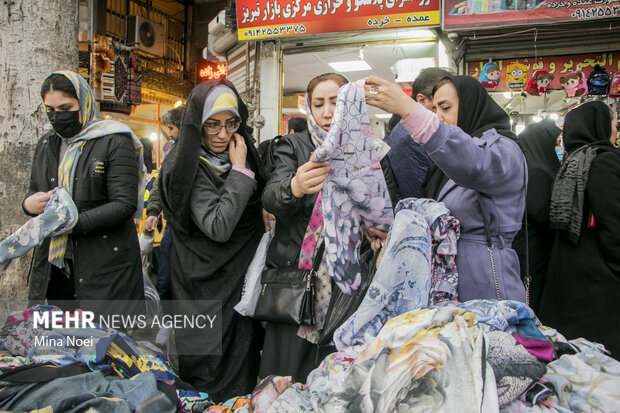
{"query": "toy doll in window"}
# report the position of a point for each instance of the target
(489, 76)
(540, 81)
(516, 76)
(574, 84)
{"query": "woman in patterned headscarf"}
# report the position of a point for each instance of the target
(291, 195)
(99, 163)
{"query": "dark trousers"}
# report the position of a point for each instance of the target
(161, 262)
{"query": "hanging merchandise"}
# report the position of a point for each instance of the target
(516, 76)
(539, 82)
(574, 84)
(598, 81)
(614, 91)
(489, 76)
(135, 79)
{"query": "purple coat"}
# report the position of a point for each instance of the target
(486, 171)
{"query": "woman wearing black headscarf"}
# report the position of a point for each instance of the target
(211, 185)
(580, 295)
(538, 144)
(484, 183)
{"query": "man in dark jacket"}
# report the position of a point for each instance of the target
(409, 160)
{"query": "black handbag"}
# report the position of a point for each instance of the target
(287, 294)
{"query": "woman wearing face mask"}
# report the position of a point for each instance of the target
(97, 162)
(290, 195)
(211, 185)
(582, 286)
(482, 177)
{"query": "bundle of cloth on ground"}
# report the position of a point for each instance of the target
(478, 356)
(42, 368)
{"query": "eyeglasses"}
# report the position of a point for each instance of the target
(213, 128)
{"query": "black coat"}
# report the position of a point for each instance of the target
(580, 296)
(106, 255)
(216, 226)
(538, 144)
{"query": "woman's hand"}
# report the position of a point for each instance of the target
(267, 217)
(36, 203)
(149, 224)
(376, 238)
(237, 151)
(310, 178)
(388, 96)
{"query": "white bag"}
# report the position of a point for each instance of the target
(146, 241)
(251, 285)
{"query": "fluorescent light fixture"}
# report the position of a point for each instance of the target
(350, 66)
(537, 118)
(416, 34)
(153, 136)
(507, 95)
(442, 55)
(178, 103)
(406, 70)
(520, 128)
(554, 116)
(383, 116)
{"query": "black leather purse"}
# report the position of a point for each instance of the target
(287, 294)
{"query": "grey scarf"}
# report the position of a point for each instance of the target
(568, 193)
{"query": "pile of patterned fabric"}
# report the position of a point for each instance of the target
(40, 370)
(479, 356)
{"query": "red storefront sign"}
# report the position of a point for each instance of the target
(458, 14)
(210, 70)
(556, 65)
(261, 19)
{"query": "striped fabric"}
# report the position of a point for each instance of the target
(66, 172)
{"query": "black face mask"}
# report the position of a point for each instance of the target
(65, 123)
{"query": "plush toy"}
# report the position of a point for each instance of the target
(614, 91)
(516, 76)
(539, 82)
(598, 81)
(574, 84)
(489, 76)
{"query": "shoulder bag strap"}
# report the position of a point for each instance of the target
(489, 247)
(527, 280)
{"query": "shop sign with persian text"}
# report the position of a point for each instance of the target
(558, 66)
(210, 70)
(261, 19)
(466, 14)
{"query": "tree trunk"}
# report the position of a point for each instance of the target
(37, 37)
